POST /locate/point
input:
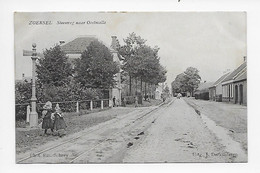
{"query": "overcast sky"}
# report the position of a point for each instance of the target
(210, 41)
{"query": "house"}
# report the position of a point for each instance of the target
(215, 91)
(74, 49)
(240, 84)
(234, 86)
(202, 92)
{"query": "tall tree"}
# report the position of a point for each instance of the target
(186, 81)
(178, 85)
(193, 79)
(96, 68)
(54, 68)
(141, 61)
(131, 61)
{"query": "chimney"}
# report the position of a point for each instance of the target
(244, 58)
(62, 42)
(114, 42)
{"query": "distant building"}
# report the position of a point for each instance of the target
(202, 92)
(215, 91)
(75, 48)
(234, 86)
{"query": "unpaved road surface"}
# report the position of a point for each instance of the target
(232, 117)
(181, 135)
(172, 132)
(99, 143)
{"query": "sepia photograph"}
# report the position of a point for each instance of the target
(130, 87)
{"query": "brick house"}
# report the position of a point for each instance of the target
(234, 86)
(240, 84)
(74, 49)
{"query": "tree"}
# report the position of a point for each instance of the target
(96, 68)
(54, 68)
(129, 52)
(178, 85)
(193, 79)
(141, 61)
(186, 81)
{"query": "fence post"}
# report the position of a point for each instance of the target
(102, 106)
(77, 105)
(110, 104)
(91, 105)
(28, 114)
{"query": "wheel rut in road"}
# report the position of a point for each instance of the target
(95, 145)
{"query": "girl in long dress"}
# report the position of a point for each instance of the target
(47, 122)
(59, 123)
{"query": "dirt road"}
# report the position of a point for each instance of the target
(171, 132)
(181, 135)
(99, 143)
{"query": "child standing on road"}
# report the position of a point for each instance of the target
(47, 122)
(59, 123)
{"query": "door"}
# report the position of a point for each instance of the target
(241, 94)
(236, 94)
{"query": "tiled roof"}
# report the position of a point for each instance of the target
(243, 76)
(220, 79)
(78, 45)
(235, 72)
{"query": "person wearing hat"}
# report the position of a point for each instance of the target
(59, 123)
(47, 122)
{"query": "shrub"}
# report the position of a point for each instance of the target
(67, 94)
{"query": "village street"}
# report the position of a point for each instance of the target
(182, 135)
(170, 132)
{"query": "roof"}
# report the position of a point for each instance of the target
(78, 45)
(220, 79)
(243, 76)
(232, 75)
(204, 87)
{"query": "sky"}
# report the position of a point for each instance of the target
(212, 42)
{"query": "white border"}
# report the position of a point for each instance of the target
(7, 131)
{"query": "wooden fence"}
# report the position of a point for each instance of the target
(22, 111)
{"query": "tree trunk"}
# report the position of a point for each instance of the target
(136, 86)
(141, 85)
(130, 85)
(145, 91)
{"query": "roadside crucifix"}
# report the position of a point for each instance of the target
(33, 114)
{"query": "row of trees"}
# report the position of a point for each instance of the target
(141, 62)
(187, 81)
(59, 79)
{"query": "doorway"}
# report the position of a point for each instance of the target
(241, 94)
(236, 94)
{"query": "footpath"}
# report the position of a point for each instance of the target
(232, 117)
